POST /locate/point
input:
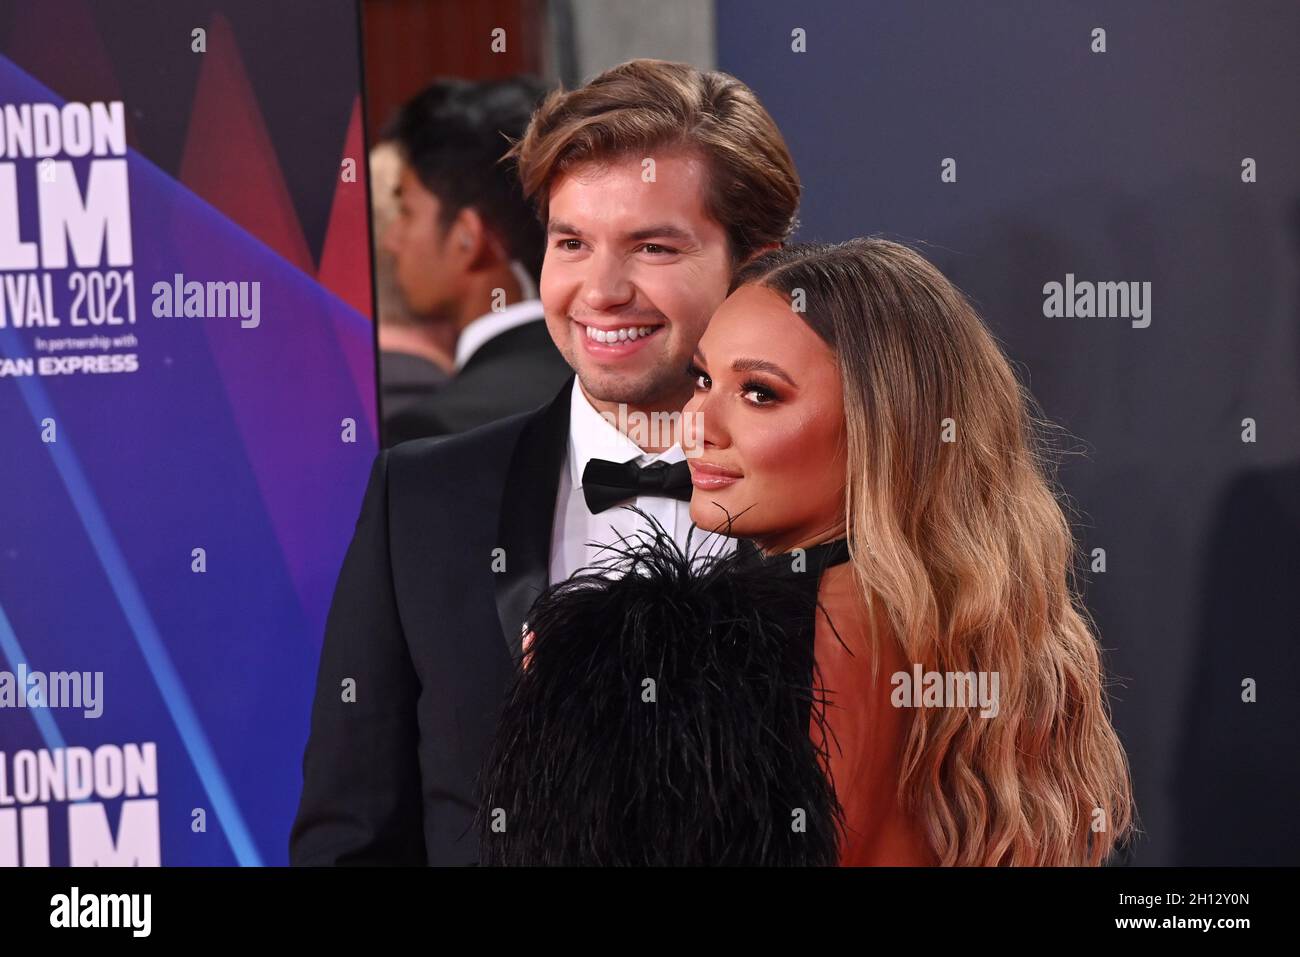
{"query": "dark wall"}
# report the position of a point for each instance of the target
(1116, 166)
(409, 43)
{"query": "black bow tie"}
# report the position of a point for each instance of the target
(606, 483)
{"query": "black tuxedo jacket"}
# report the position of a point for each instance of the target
(511, 373)
(422, 641)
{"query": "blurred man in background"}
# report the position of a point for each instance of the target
(416, 353)
(468, 250)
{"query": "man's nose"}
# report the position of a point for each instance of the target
(607, 285)
(390, 239)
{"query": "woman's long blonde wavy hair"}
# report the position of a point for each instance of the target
(965, 547)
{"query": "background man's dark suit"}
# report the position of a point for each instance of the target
(429, 633)
(517, 370)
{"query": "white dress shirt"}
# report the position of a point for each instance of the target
(490, 325)
(592, 437)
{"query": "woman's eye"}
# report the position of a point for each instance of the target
(757, 394)
(702, 380)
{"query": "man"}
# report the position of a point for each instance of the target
(467, 249)
(415, 353)
(655, 182)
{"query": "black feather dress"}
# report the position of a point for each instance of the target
(667, 716)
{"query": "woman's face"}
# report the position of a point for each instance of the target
(768, 417)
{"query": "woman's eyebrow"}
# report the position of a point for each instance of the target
(761, 365)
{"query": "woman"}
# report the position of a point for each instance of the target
(853, 406)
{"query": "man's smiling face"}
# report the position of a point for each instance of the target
(632, 273)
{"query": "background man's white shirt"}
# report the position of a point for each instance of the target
(487, 327)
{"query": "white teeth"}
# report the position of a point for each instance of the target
(624, 334)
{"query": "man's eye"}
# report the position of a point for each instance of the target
(570, 245)
(657, 250)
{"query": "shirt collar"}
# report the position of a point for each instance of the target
(490, 325)
(592, 436)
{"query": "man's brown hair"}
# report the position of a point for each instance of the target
(645, 105)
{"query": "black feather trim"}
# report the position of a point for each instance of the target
(715, 770)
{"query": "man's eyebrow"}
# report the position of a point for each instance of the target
(653, 231)
(761, 365)
(662, 231)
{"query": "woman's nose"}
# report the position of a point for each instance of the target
(703, 424)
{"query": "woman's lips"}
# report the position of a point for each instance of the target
(712, 477)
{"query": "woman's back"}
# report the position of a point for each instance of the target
(861, 734)
(866, 733)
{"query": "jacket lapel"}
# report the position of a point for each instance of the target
(528, 514)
